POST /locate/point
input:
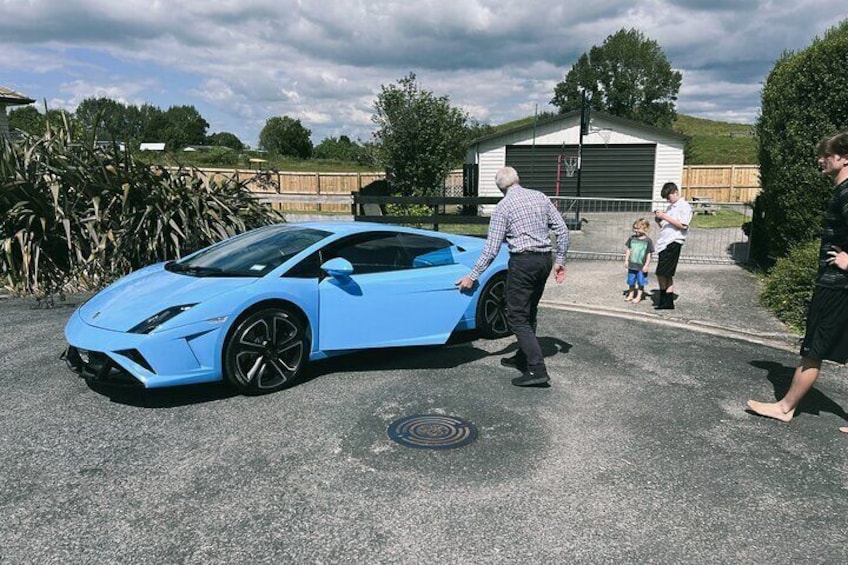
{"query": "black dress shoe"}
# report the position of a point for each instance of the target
(514, 362)
(532, 378)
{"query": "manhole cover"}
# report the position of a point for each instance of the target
(432, 431)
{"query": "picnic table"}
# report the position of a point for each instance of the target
(702, 205)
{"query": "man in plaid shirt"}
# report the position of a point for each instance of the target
(524, 219)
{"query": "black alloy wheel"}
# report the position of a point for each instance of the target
(491, 309)
(266, 352)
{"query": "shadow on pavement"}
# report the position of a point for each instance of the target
(164, 397)
(813, 403)
(458, 351)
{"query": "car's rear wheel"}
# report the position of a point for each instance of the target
(491, 309)
(266, 351)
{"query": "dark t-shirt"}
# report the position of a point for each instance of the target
(835, 232)
(640, 249)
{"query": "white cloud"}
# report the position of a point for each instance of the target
(241, 62)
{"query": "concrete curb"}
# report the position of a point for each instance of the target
(785, 342)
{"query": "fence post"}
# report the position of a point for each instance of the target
(732, 183)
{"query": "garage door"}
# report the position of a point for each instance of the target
(614, 171)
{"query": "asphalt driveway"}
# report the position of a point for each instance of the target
(640, 452)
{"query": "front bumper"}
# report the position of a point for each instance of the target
(185, 355)
(97, 367)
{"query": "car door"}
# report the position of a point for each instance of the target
(401, 292)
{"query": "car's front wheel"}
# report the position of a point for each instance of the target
(491, 309)
(266, 351)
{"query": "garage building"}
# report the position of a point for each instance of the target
(621, 158)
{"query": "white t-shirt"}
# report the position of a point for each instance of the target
(680, 211)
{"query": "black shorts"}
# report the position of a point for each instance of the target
(667, 265)
(826, 336)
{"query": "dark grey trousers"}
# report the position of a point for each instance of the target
(525, 283)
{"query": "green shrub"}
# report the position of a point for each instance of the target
(76, 216)
(805, 97)
(789, 285)
(217, 156)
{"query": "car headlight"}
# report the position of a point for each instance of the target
(157, 320)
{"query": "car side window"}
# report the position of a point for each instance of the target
(375, 252)
(308, 268)
(424, 251)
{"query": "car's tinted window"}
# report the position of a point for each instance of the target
(308, 268)
(424, 251)
(374, 252)
(252, 254)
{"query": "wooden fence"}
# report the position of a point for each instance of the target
(331, 192)
(310, 192)
(301, 192)
(721, 183)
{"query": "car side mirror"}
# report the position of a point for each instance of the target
(337, 267)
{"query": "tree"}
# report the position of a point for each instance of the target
(286, 136)
(27, 119)
(805, 98)
(338, 149)
(627, 76)
(225, 139)
(103, 117)
(420, 137)
(185, 126)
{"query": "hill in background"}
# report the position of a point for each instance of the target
(710, 142)
(717, 143)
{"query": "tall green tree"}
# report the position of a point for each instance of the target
(103, 117)
(628, 76)
(420, 136)
(225, 139)
(804, 98)
(286, 136)
(185, 126)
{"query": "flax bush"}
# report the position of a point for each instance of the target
(74, 216)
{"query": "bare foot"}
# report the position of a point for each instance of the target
(771, 410)
(628, 298)
(637, 300)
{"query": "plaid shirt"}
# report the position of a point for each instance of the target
(524, 219)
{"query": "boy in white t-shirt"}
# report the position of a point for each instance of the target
(674, 227)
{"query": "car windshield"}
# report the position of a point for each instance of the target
(253, 254)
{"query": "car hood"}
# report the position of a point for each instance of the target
(134, 298)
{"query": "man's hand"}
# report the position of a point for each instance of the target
(465, 283)
(837, 257)
(559, 273)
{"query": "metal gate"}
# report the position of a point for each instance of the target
(718, 233)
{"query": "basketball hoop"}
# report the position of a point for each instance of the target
(605, 133)
(570, 164)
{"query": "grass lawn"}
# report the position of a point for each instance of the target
(721, 219)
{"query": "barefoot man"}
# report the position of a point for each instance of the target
(826, 335)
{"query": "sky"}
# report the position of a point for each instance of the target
(241, 62)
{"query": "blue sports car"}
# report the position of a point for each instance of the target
(254, 309)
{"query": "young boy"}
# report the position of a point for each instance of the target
(637, 258)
